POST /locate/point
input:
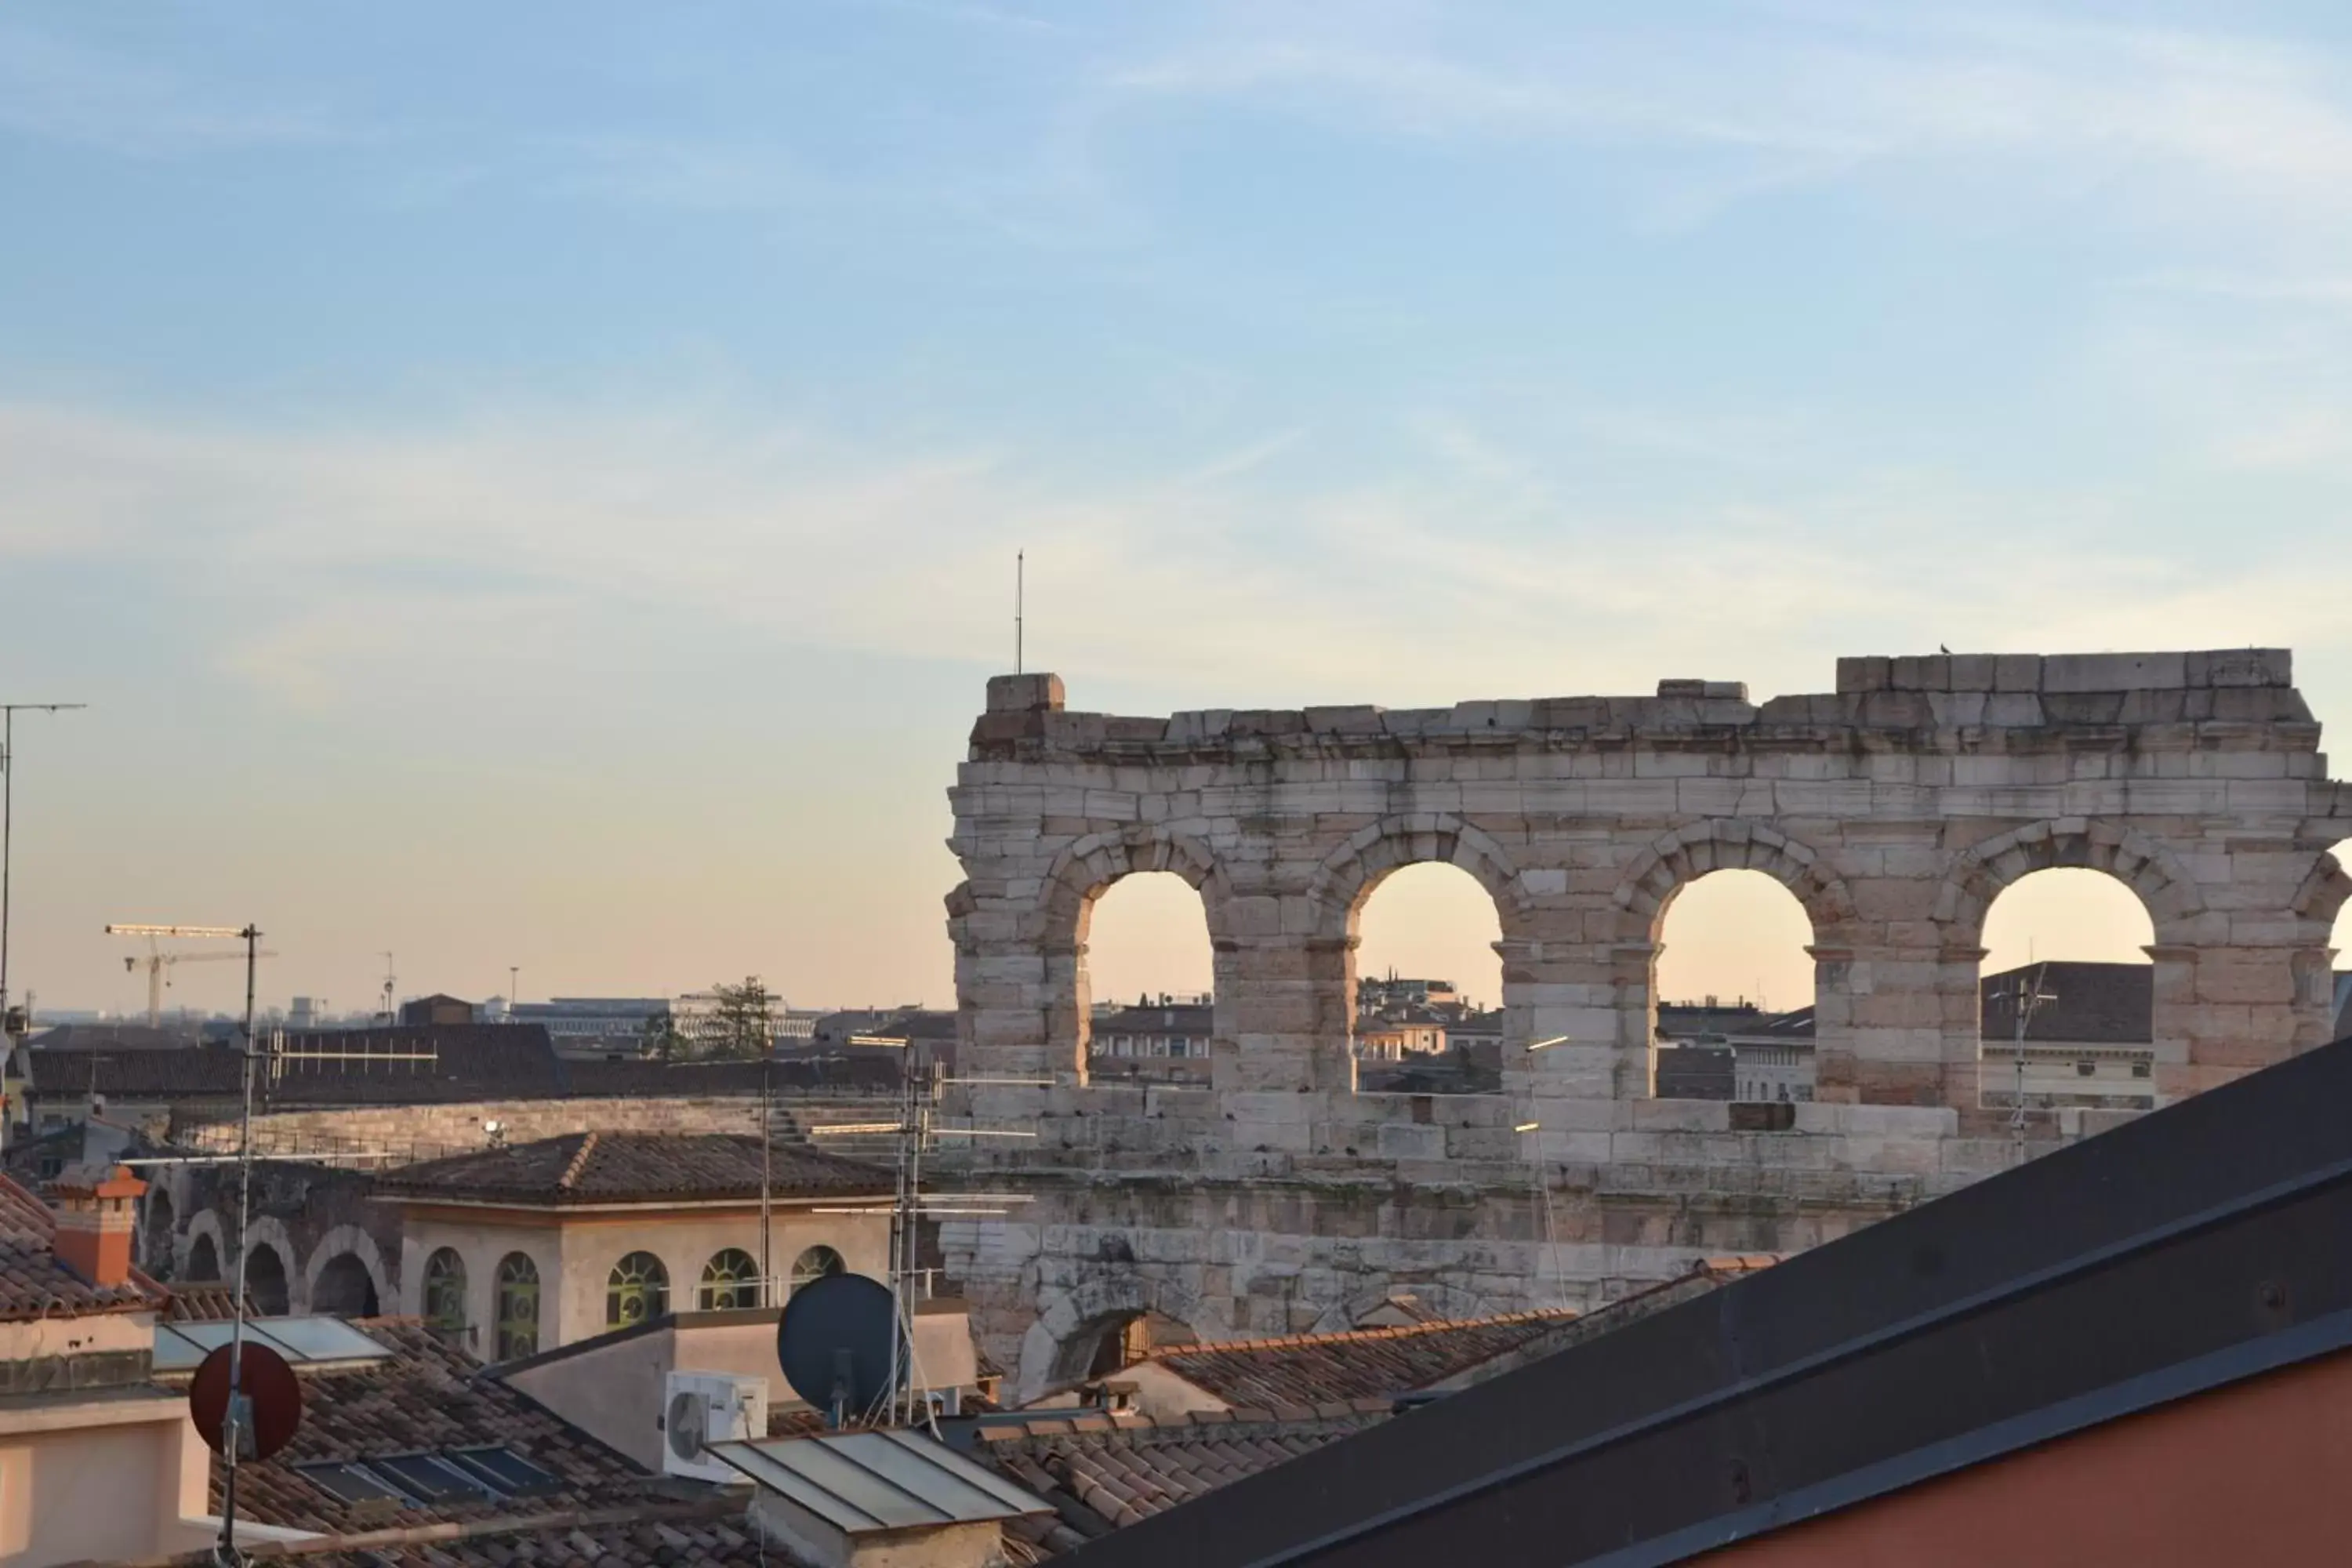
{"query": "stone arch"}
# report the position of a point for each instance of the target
(268, 1284)
(2323, 894)
(203, 1235)
(346, 1241)
(1058, 927)
(1676, 859)
(1061, 1344)
(158, 1220)
(2146, 866)
(1349, 873)
(1083, 871)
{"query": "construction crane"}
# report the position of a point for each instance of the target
(157, 961)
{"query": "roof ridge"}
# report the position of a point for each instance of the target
(579, 1162)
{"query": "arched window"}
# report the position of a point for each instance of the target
(444, 1293)
(730, 1279)
(518, 1306)
(345, 1288)
(203, 1261)
(637, 1290)
(814, 1265)
(155, 1235)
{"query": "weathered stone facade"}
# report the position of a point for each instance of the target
(1895, 809)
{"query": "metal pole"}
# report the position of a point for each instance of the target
(767, 1186)
(232, 1433)
(1020, 586)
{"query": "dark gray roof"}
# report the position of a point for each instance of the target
(622, 1167)
(2092, 1004)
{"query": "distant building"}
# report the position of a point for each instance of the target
(436, 1011)
(594, 1025)
(510, 1251)
(1381, 995)
(1164, 1041)
(1402, 1032)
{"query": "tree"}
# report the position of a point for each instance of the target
(663, 1041)
(742, 1022)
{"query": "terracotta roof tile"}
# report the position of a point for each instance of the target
(617, 1167)
(710, 1533)
(1286, 1377)
(33, 1284)
(423, 1397)
(1102, 1481)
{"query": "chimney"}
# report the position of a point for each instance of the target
(95, 1221)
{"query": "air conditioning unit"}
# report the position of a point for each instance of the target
(704, 1407)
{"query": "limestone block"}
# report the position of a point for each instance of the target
(1540, 881)
(1866, 674)
(2082, 672)
(1681, 1115)
(2242, 666)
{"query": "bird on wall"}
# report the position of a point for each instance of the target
(1941, 649)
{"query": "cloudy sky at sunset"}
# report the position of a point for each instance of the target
(537, 484)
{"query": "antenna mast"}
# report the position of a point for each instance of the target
(1020, 592)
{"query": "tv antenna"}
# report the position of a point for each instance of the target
(920, 1089)
(2026, 997)
(1019, 587)
(389, 1015)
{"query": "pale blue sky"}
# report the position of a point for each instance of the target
(536, 484)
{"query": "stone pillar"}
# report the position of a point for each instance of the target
(1833, 1062)
(1595, 999)
(1285, 1000)
(2252, 1006)
(1909, 1019)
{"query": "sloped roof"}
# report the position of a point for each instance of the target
(2091, 1004)
(709, 1533)
(1297, 1371)
(33, 1284)
(424, 1396)
(1102, 1472)
(623, 1167)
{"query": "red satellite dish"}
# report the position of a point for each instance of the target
(265, 1379)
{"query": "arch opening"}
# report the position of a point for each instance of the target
(1732, 986)
(2067, 993)
(265, 1281)
(518, 1306)
(204, 1262)
(814, 1264)
(444, 1293)
(731, 1280)
(1426, 1004)
(345, 1289)
(155, 1230)
(1106, 1345)
(1146, 977)
(636, 1290)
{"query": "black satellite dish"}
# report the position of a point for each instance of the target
(834, 1341)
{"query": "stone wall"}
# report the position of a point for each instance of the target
(428, 1132)
(1896, 808)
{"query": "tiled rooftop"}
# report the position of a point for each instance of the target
(619, 1167)
(1101, 1472)
(33, 1284)
(423, 1397)
(706, 1535)
(1305, 1370)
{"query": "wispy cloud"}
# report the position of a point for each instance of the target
(58, 91)
(468, 542)
(1825, 93)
